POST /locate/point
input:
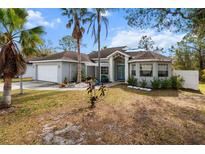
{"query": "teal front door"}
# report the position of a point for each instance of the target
(121, 72)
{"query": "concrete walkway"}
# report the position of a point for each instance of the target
(41, 85)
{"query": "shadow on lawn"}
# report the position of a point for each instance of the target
(33, 96)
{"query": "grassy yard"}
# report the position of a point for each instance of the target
(202, 87)
(123, 116)
(18, 80)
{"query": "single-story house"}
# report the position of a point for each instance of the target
(117, 64)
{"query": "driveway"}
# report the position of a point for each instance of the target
(43, 85)
(34, 85)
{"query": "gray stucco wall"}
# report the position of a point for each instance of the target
(91, 71)
(65, 70)
(155, 71)
(69, 70)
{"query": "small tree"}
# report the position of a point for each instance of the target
(148, 44)
(45, 49)
(68, 43)
(94, 96)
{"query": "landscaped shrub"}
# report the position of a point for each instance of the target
(104, 79)
(166, 84)
(143, 83)
(155, 83)
(177, 82)
(65, 81)
(83, 77)
(132, 81)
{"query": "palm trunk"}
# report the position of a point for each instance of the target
(79, 63)
(99, 30)
(21, 84)
(201, 62)
(6, 102)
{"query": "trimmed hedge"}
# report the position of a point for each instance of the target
(132, 81)
(174, 82)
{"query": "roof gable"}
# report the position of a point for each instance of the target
(106, 52)
(148, 55)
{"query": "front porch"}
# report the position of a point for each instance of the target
(114, 67)
(118, 67)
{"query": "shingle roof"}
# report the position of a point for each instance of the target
(66, 55)
(106, 52)
(140, 55)
(137, 55)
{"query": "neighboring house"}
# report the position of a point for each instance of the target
(116, 63)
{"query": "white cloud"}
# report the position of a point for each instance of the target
(35, 18)
(131, 37)
(106, 14)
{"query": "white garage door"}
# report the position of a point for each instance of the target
(48, 73)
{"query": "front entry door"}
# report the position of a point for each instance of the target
(120, 72)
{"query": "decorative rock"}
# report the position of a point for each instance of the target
(139, 88)
(48, 138)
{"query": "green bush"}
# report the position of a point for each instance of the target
(132, 81)
(156, 83)
(177, 82)
(104, 79)
(166, 84)
(83, 77)
(143, 83)
(202, 75)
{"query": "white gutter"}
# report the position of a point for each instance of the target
(57, 60)
(100, 58)
(148, 60)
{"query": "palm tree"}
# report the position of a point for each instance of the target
(76, 18)
(98, 17)
(15, 42)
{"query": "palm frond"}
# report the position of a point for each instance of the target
(106, 23)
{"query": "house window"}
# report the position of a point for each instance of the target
(104, 70)
(133, 70)
(162, 70)
(146, 70)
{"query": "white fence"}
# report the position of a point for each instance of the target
(191, 78)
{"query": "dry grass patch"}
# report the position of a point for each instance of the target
(124, 116)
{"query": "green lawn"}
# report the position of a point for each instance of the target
(123, 116)
(18, 80)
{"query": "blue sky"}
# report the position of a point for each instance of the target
(119, 32)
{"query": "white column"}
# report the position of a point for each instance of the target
(155, 70)
(137, 71)
(95, 71)
(86, 70)
(126, 69)
(169, 70)
(111, 64)
(34, 76)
